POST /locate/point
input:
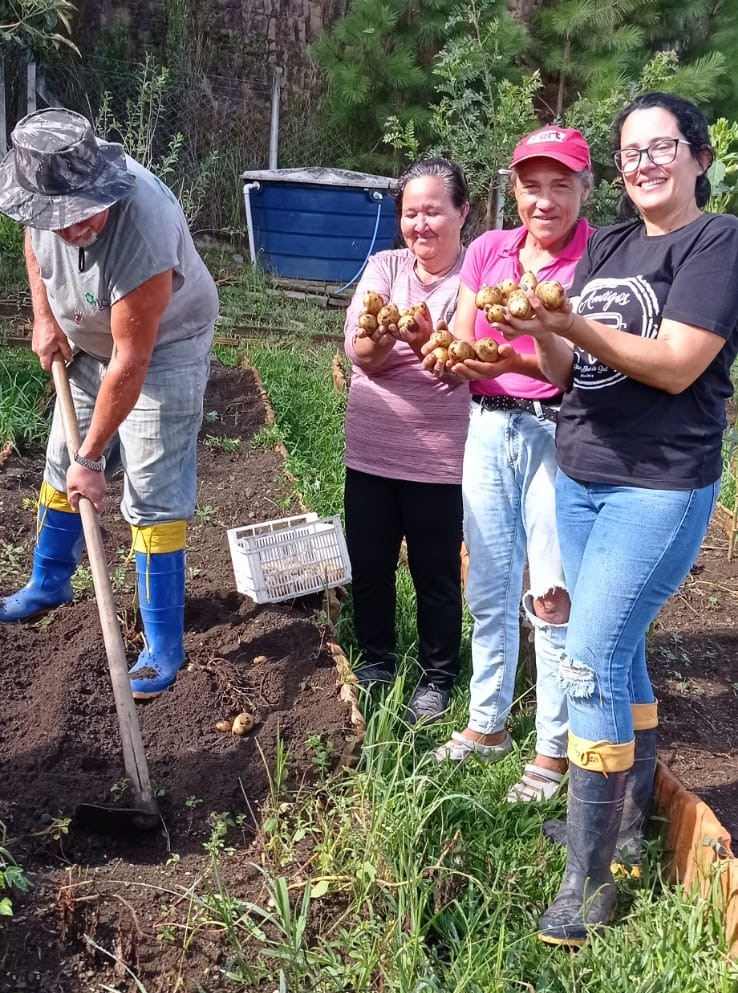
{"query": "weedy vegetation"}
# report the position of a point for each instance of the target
(12, 877)
(23, 420)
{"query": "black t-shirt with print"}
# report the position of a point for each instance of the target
(613, 429)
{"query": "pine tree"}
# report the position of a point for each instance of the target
(588, 48)
(377, 62)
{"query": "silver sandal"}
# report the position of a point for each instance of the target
(459, 748)
(536, 785)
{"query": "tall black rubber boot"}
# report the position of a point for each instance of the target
(637, 805)
(587, 896)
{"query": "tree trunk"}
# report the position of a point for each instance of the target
(3, 116)
(562, 80)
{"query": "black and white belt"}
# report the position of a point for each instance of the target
(547, 411)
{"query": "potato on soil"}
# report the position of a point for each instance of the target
(488, 296)
(551, 294)
(506, 287)
(519, 306)
(373, 302)
(495, 314)
(528, 281)
(441, 338)
(243, 723)
(486, 349)
(389, 314)
(460, 351)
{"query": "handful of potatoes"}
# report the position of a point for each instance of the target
(447, 349)
(494, 299)
(378, 314)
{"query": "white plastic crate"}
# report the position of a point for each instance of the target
(290, 557)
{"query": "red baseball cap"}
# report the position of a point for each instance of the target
(564, 145)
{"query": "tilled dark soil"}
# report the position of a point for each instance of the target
(60, 743)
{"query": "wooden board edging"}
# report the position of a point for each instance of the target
(698, 849)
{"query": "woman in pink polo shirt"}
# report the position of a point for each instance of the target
(510, 463)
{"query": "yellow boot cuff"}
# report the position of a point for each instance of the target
(600, 756)
(159, 538)
(52, 499)
(645, 716)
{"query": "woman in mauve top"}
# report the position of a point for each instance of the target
(405, 431)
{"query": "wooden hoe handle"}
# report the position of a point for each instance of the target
(134, 757)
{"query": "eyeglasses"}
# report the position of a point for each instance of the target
(660, 152)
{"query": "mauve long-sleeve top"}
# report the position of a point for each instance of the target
(401, 421)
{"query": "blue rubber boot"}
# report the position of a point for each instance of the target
(59, 545)
(161, 597)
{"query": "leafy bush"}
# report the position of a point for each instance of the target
(12, 877)
(11, 237)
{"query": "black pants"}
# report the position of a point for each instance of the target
(379, 513)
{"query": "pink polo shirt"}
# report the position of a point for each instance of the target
(493, 257)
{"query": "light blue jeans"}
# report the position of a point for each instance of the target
(626, 550)
(156, 444)
(508, 491)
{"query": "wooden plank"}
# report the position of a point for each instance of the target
(314, 291)
(697, 849)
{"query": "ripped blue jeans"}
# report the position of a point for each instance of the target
(625, 551)
(508, 490)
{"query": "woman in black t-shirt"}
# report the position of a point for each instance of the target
(644, 355)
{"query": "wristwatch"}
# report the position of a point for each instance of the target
(98, 466)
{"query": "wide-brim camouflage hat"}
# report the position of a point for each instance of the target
(58, 173)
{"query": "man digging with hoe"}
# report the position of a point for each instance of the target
(121, 294)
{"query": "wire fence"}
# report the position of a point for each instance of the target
(198, 132)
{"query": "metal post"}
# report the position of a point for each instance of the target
(30, 86)
(3, 116)
(274, 129)
(500, 199)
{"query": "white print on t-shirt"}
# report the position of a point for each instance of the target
(629, 305)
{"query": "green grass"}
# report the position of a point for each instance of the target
(23, 419)
(310, 414)
(407, 875)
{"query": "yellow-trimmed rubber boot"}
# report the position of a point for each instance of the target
(59, 544)
(638, 801)
(161, 598)
(587, 897)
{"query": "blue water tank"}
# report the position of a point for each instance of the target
(317, 223)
